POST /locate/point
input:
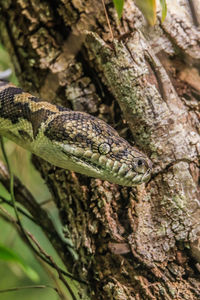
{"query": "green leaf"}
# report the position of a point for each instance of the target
(164, 9)
(8, 255)
(148, 8)
(32, 274)
(4, 193)
(119, 4)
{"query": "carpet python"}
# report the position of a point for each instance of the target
(70, 139)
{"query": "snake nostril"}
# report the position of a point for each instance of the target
(140, 162)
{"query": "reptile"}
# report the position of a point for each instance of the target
(70, 139)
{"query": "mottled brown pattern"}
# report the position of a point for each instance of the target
(15, 105)
(56, 131)
(9, 109)
(37, 118)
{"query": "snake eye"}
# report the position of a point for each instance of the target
(140, 165)
(104, 148)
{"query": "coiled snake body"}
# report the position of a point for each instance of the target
(72, 140)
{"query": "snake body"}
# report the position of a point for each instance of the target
(69, 139)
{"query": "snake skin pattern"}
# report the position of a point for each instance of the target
(69, 139)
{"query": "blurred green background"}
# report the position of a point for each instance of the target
(11, 273)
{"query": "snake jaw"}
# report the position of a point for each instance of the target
(100, 166)
(95, 165)
(146, 177)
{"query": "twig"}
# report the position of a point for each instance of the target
(10, 218)
(3, 200)
(53, 263)
(42, 218)
(23, 197)
(24, 232)
(42, 286)
(108, 21)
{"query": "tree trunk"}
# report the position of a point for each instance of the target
(127, 243)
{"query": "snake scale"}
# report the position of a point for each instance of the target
(70, 139)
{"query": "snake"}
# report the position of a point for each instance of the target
(69, 139)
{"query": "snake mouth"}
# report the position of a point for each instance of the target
(146, 177)
(94, 169)
(103, 168)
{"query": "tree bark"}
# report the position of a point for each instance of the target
(127, 243)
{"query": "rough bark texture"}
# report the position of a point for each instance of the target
(128, 243)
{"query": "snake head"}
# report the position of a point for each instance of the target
(69, 139)
(89, 146)
(123, 163)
